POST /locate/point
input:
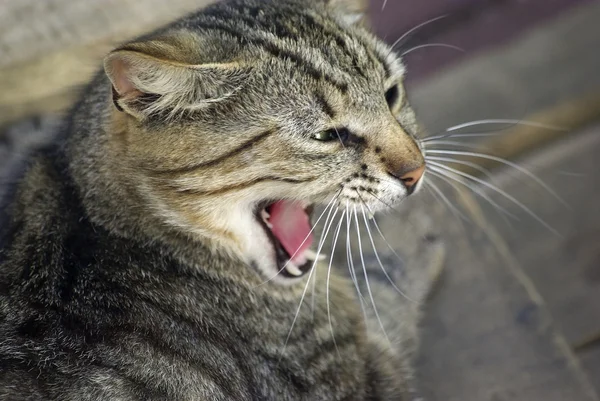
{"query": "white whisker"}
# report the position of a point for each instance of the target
(379, 260)
(444, 198)
(452, 143)
(381, 233)
(327, 223)
(335, 239)
(475, 166)
(407, 33)
(362, 260)
(507, 163)
(432, 45)
(503, 193)
(443, 172)
(505, 121)
(312, 271)
(350, 261)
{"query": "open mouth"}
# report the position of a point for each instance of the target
(287, 224)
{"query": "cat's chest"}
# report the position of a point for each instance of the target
(248, 346)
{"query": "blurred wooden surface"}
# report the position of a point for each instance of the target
(49, 48)
(516, 299)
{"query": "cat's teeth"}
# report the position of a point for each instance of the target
(370, 216)
(265, 215)
(294, 270)
(312, 255)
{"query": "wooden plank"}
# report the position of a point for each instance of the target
(566, 267)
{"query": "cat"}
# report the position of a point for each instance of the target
(160, 247)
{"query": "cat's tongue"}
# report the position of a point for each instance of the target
(291, 225)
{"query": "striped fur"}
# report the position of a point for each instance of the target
(133, 267)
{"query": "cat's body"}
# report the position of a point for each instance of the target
(125, 271)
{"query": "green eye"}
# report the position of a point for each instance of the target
(325, 136)
(340, 134)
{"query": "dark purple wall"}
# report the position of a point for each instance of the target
(473, 25)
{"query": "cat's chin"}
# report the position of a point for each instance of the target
(288, 227)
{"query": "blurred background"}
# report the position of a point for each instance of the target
(517, 314)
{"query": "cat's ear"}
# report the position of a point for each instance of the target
(352, 12)
(147, 80)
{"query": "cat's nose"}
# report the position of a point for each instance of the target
(410, 178)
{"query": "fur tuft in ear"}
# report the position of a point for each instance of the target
(144, 85)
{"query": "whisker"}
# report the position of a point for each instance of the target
(329, 205)
(379, 260)
(469, 135)
(436, 190)
(509, 123)
(339, 137)
(432, 45)
(362, 260)
(504, 194)
(312, 271)
(335, 239)
(381, 233)
(350, 262)
(474, 188)
(534, 124)
(327, 223)
(407, 33)
(475, 166)
(451, 143)
(507, 163)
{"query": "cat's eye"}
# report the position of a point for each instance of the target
(392, 95)
(334, 134)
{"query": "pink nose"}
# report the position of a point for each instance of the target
(411, 178)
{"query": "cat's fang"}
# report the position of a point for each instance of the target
(294, 270)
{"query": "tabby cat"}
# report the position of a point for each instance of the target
(161, 247)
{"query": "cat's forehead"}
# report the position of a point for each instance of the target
(315, 39)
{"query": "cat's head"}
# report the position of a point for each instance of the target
(241, 117)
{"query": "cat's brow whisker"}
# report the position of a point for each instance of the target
(379, 260)
(517, 167)
(501, 192)
(432, 45)
(312, 271)
(441, 172)
(362, 260)
(335, 239)
(329, 206)
(407, 33)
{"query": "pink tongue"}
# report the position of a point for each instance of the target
(291, 226)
